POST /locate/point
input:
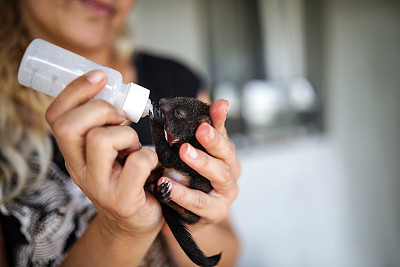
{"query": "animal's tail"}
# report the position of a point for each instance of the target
(185, 239)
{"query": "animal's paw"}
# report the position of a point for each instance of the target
(163, 191)
(157, 116)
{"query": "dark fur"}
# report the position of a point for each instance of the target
(180, 116)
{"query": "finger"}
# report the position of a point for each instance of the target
(204, 205)
(217, 171)
(136, 170)
(219, 147)
(71, 128)
(102, 147)
(77, 92)
(218, 112)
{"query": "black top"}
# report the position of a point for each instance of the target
(40, 228)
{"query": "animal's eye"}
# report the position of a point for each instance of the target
(179, 113)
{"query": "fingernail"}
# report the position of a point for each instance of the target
(121, 112)
(227, 106)
(96, 76)
(191, 152)
(210, 134)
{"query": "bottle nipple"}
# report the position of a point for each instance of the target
(148, 109)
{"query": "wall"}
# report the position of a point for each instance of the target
(174, 28)
(363, 82)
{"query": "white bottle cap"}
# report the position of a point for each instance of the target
(136, 102)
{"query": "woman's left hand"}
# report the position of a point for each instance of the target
(221, 166)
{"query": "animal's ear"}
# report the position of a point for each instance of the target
(204, 118)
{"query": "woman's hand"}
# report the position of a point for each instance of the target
(221, 167)
(91, 138)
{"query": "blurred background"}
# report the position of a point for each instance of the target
(314, 87)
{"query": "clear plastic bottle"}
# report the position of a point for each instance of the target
(49, 69)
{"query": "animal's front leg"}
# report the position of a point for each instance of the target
(157, 129)
(167, 155)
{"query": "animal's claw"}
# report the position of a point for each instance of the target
(157, 115)
(163, 192)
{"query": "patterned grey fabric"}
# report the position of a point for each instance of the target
(52, 218)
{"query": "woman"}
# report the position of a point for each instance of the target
(45, 219)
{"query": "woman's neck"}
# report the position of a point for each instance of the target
(108, 57)
(104, 55)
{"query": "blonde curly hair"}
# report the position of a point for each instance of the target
(23, 130)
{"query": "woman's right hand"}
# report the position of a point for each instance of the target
(91, 137)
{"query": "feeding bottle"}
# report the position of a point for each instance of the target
(49, 69)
